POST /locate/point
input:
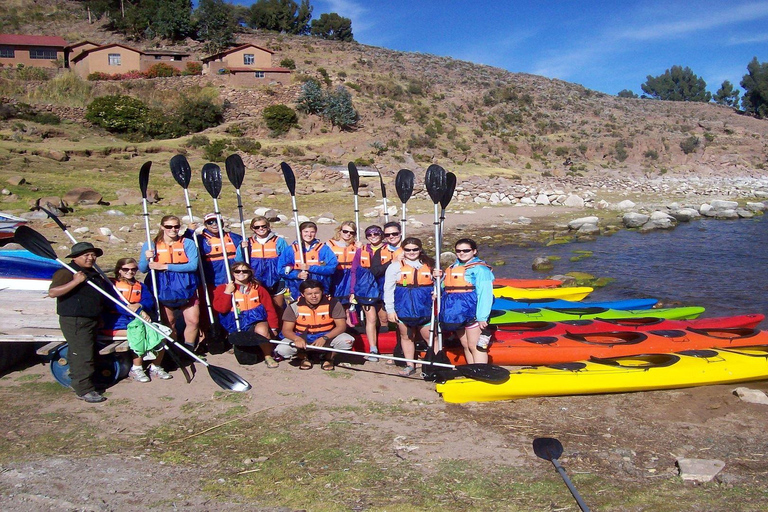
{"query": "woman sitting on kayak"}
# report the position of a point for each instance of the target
(408, 287)
(144, 344)
(467, 299)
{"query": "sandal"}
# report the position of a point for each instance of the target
(390, 362)
(305, 364)
(327, 366)
(270, 362)
(407, 371)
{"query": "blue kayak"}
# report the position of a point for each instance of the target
(25, 265)
(626, 304)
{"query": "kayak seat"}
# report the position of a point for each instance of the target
(524, 326)
(582, 311)
(734, 332)
(541, 340)
(631, 322)
(669, 333)
(571, 367)
(639, 362)
(704, 354)
(609, 338)
(578, 322)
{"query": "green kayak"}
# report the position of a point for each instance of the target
(561, 315)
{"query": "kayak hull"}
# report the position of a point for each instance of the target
(527, 283)
(590, 313)
(617, 375)
(574, 293)
(505, 304)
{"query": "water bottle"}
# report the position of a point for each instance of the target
(484, 341)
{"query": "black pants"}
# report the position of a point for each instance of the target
(80, 333)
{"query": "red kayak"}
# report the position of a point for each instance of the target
(386, 342)
(525, 329)
(567, 348)
(527, 283)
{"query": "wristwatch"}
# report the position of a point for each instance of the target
(326, 338)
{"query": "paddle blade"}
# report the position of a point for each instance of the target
(547, 448)
(235, 170)
(383, 188)
(247, 339)
(290, 178)
(484, 372)
(436, 182)
(181, 170)
(144, 178)
(450, 186)
(34, 242)
(354, 177)
(212, 179)
(404, 184)
(227, 379)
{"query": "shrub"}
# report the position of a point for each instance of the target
(193, 68)
(339, 110)
(31, 73)
(690, 144)
(197, 141)
(213, 151)
(709, 136)
(293, 151)
(98, 75)
(236, 130)
(363, 162)
(247, 145)
(312, 98)
(652, 154)
(621, 151)
(197, 114)
(288, 63)
(561, 151)
(161, 69)
(280, 118)
(117, 113)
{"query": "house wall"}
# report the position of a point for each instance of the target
(74, 52)
(147, 61)
(261, 59)
(98, 61)
(248, 79)
(21, 56)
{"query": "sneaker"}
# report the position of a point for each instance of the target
(92, 397)
(156, 371)
(137, 374)
(372, 357)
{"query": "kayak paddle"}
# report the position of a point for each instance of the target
(404, 187)
(236, 174)
(354, 180)
(549, 448)
(384, 197)
(143, 182)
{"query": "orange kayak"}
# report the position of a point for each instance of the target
(545, 350)
(527, 283)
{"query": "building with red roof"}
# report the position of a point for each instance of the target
(31, 50)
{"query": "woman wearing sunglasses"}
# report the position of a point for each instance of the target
(467, 299)
(319, 261)
(214, 248)
(117, 321)
(367, 289)
(174, 260)
(408, 290)
(254, 307)
(343, 246)
(265, 248)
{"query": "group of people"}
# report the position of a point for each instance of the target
(307, 293)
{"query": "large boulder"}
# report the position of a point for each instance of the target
(542, 264)
(128, 196)
(684, 214)
(634, 220)
(659, 220)
(719, 204)
(574, 201)
(625, 205)
(578, 223)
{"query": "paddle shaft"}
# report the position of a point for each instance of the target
(298, 231)
(436, 311)
(226, 257)
(357, 219)
(352, 352)
(200, 268)
(403, 221)
(242, 226)
(152, 274)
(583, 506)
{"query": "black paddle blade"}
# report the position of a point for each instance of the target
(181, 170)
(484, 372)
(216, 333)
(547, 448)
(34, 242)
(55, 219)
(235, 170)
(450, 186)
(354, 177)
(404, 184)
(383, 188)
(227, 379)
(290, 178)
(144, 178)
(436, 182)
(247, 339)
(212, 179)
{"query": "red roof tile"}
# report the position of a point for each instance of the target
(28, 40)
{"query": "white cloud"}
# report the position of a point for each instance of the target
(760, 38)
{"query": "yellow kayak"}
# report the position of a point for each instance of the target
(572, 293)
(618, 375)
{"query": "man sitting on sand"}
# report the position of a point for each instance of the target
(314, 320)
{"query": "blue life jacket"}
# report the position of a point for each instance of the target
(413, 295)
(264, 259)
(459, 300)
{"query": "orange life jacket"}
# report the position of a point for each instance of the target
(248, 300)
(314, 320)
(264, 251)
(311, 257)
(171, 254)
(455, 278)
(131, 292)
(216, 249)
(410, 276)
(344, 255)
(387, 254)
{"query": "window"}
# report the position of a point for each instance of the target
(158, 57)
(7, 52)
(43, 53)
(176, 57)
(259, 74)
(248, 59)
(114, 59)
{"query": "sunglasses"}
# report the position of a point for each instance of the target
(260, 226)
(175, 226)
(375, 233)
(348, 232)
(129, 269)
(411, 249)
(210, 222)
(390, 235)
(464, 251)
(241, 271)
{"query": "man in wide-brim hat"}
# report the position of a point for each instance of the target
(79, 307)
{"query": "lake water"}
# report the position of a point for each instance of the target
(720, 265)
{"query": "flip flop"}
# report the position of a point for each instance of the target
(407, 371)
(305, 364)
(327, 366)
(270, 362)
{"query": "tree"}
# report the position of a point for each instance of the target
(332, 26)
(755, 85)
(281, 16)
(312, 99)
(727, 95)
(626, 93)
(339, 110)
(173, 19)
(280, 118)
(215, 24)
(677, 84)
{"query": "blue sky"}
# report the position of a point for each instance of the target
(603, 45)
